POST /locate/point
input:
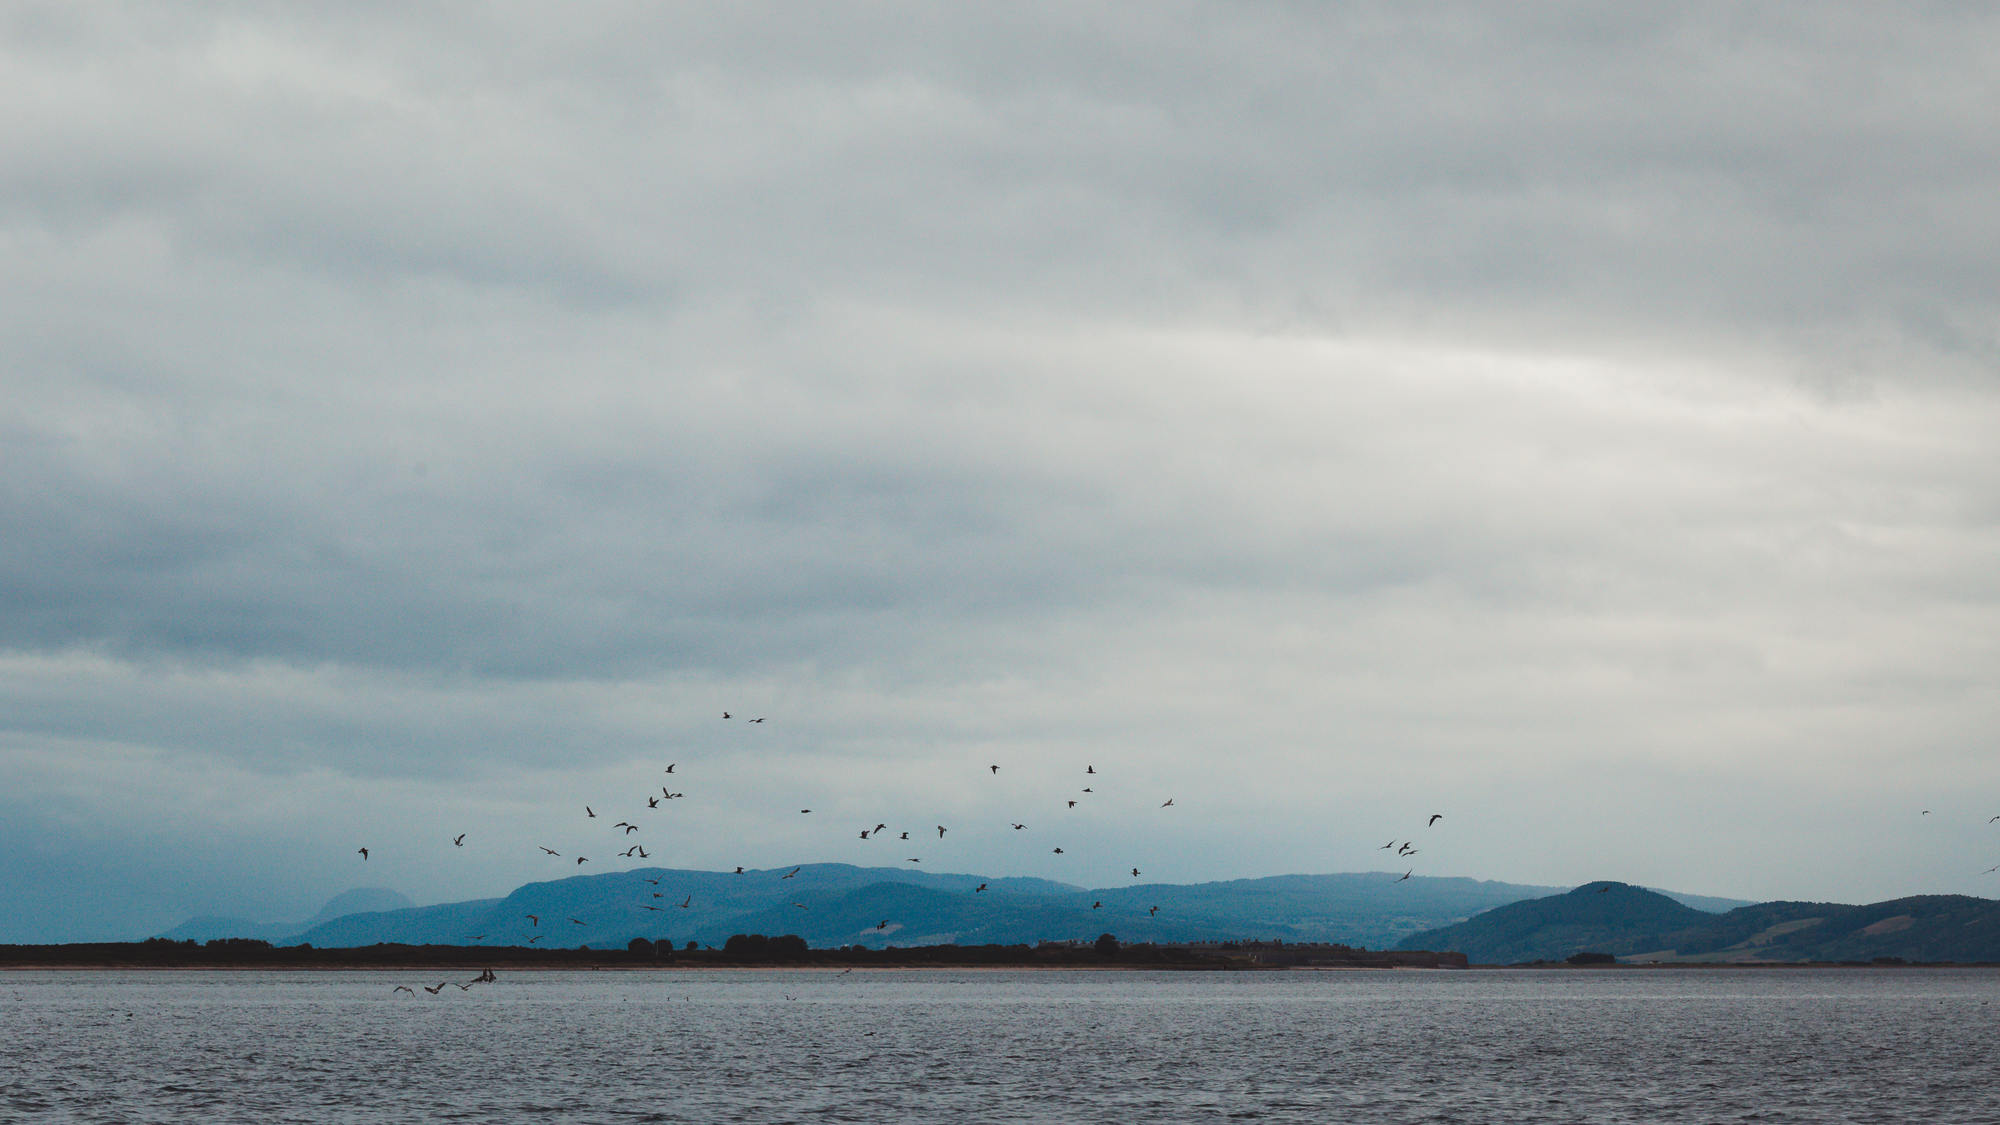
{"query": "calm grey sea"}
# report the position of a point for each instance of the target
(1889, 1045)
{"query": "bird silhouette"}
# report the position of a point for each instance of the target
(534, 939)
(1406, 875)
(1058, 851)
(588, 812)
(581, 860)
(1072, 804)
(915, 860)
(757, 720)
(882, 925)
(864, 833)
(687, 902)
(578, 921)
(403, 988)
(1135, 873)
(434, 991)
(1435, 817)
(1088, 789)
(551, 851)
(1154, 910)
(1168, 803)
(904, 836)
(788, 874)
(534, 920)
(995, 769)
(803, 811)
(647, 906)
(940, 829)
(1090, 769)
(725, 714)
(670, 767)
(458, 841)
(739, 871)
(364, 854)
(1387, 846)
(979, 888)
(1098, 905)
(652, 802)
(1017, 827)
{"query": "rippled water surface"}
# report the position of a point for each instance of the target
(1890, 1045)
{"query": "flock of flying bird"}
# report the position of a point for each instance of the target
(878, 831)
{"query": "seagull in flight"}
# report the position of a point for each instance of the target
(403, 988)
(1058, 851)
(1387, 846)
(458, 841)
(1406, 875)
(940, 831)
(578, 921)
(1135, 873)
(725, 714)
(979, 888)
(534, 919)
(739, 871)
(1098, 905)
(995, 769)
(589, 812)
(687, 902)
(904, 836)
(1017, 827)
(1168, 803)
(1090, 769)
(864, 833)
(757, 720)
(364, 854)
(551, 851)
(1072, 804)
(670, 767)
(1435, 817)
(581, 860)
(786, 875)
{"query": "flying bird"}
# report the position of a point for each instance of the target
(1387, 846)
(979, 888)
(1154, 910)
(804, 811)
(551, 851)
(1098, 905)
(940, 831)
(582, 860)
(670, 767)
(882, 925)
(1058, 851)
(434, 991)
(1072, 804)
(1088, 789)
(587, 811)
(578, 921)
(458, 841)
(786, 875)
(1135, 873)
(1017, 827)
(915, 860)
(403, 988)
(1090, 769)
(725, 714)
(1435, 817)
(652, 802)
(864, 833)
(534, 939)
(739, 871)
(904, 836)
(534, 919)
(757, 720)
(687, 902)
(364, 854)
(1168, 803)
(1406, 875)
(995, 769)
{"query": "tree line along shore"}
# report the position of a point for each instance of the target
(739, 951)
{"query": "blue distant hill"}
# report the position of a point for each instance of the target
(839, 904)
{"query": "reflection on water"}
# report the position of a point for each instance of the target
(1888, 1045)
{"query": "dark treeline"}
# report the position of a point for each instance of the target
(739, 950)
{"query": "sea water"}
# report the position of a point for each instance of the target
(1678, 1045)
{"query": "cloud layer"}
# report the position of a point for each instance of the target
(424, 422)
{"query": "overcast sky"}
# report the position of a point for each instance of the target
(1579, 421)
